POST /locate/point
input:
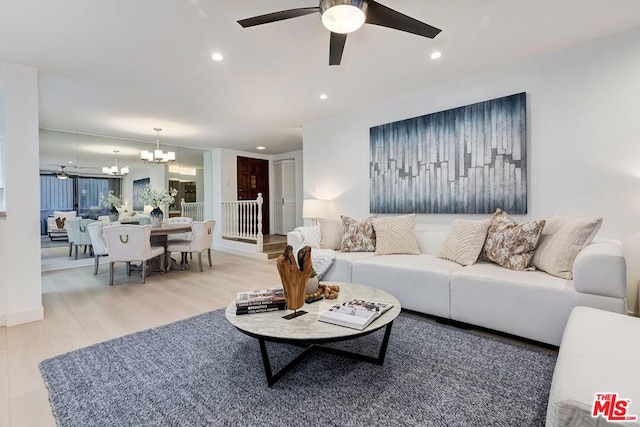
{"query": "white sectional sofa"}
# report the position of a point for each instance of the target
(529, 304)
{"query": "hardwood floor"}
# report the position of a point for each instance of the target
(82, 309)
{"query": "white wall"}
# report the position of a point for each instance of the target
(20, 282)
(583, 138)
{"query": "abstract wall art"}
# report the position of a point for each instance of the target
(138, 185)
(467, 160)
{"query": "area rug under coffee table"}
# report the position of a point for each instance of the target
(202, 372)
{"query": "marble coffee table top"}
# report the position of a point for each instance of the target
(307, 327)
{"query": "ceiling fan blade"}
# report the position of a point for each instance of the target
(277, 16)
(336, 47)
(378, 14)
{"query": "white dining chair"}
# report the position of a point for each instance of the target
(78, 234)
(202, 239)
(179, 220)
(127, 243)
(98, 242)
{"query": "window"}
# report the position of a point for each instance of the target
(76, 193)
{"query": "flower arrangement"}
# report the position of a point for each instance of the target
(110, 200)
(156, 198)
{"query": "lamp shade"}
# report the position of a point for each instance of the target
(315, 208)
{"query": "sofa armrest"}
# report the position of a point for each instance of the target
(600, 269)
(295, 239)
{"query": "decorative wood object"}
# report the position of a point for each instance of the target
(294, 279)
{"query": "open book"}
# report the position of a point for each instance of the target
(355, 313)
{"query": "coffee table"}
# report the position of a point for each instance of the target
(307, 331)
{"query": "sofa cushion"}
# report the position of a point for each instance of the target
(330, 233)
(530, 304)
(340, 270)
(396, 235)
(357, 236)
(561, 240)
(596, 356)
(465, 241)
(431, 237)
(420, 282)
(509, 244)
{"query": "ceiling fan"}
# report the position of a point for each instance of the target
(342, 17)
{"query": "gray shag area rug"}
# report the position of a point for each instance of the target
(203, 372)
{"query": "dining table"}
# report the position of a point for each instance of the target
(160, 236)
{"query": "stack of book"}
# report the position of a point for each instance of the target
(355, 313)
(260, 301)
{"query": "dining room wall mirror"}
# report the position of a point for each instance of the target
(95, 165)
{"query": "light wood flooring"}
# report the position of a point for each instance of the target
(82, 309)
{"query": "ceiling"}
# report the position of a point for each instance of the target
(119, 68)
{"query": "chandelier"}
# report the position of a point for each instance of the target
(157, 156)
(113, 170)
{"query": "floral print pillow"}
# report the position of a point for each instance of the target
(357, 236)
(511, 245)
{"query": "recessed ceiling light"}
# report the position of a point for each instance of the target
(323, 96)
(217, 57)
(436, 55)
(261, 148)
(70, 162)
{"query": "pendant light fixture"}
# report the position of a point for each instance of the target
(157, 156)
(113, 170)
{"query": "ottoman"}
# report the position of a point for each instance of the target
(598, 355)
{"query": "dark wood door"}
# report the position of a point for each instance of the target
(253, 178)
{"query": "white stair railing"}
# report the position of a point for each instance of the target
(242, 219)
(193, 210)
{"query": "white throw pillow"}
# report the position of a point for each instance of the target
(561, 240)
(310, 236)
(465, 241)
(396, 235)
(331, 233)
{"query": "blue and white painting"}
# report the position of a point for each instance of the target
(467, 160)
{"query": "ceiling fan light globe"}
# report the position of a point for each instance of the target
(343, 16)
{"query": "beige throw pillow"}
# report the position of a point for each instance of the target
(465, 241)
(396, 235)
(357, 236)
(562, 238)
(330, 233)
(511, 245)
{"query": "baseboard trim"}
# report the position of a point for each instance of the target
(24, 316)
(3, 320)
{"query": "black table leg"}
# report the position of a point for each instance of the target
(272, 379)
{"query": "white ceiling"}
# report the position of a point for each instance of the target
(122, 67)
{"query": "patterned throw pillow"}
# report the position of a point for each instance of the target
(511, 245)
(396, 235)
(357, 236)
(465, 240)
(562, 238)
(331, 233)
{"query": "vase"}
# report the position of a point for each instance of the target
(156, 217)
(113, 214)
(312, 285)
